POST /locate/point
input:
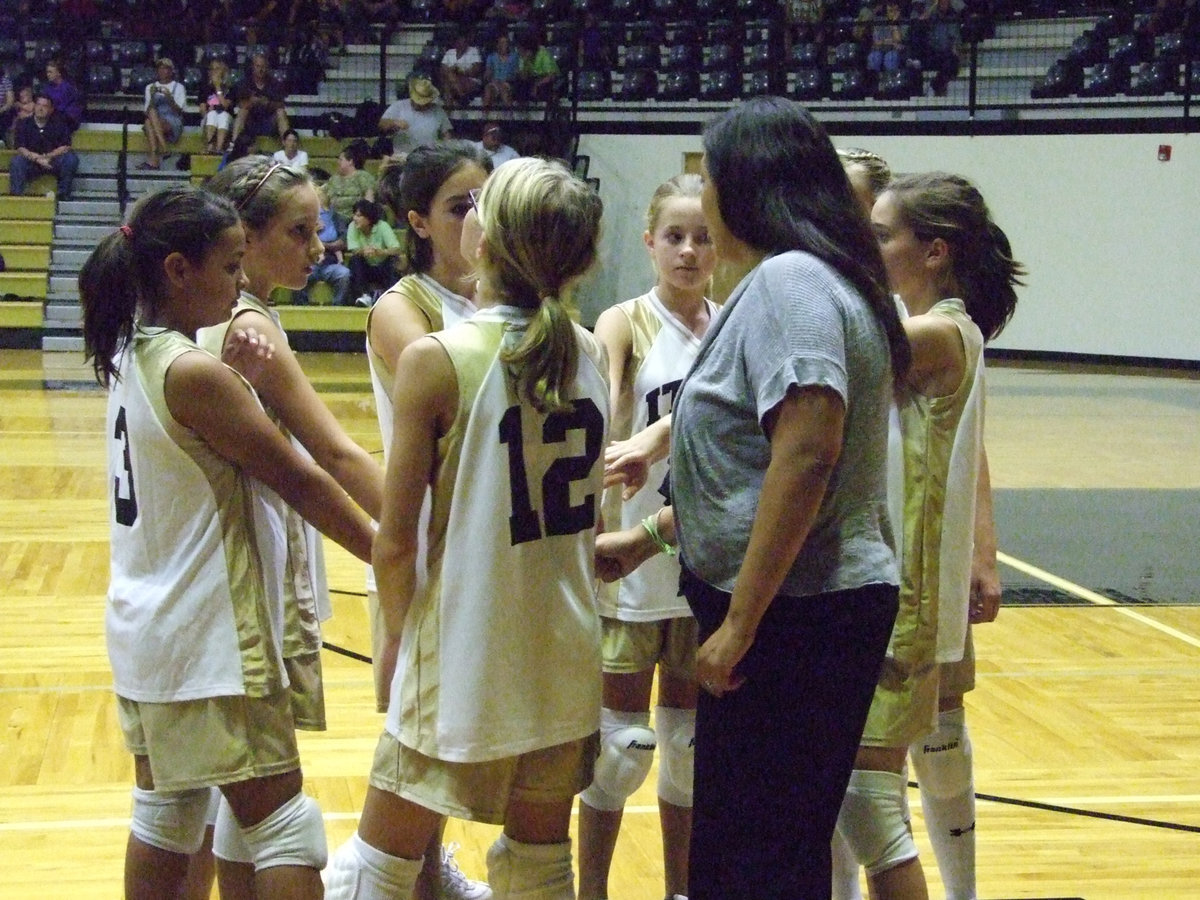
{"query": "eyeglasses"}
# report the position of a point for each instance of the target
(254, 190)
(473, 196)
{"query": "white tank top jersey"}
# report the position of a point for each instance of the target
(501, 648)
(942, 439)
(662, 352)
(306, 587)
(443, 308)
(194, 604)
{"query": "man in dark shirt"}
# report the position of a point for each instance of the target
(43, 144)
(259, 100)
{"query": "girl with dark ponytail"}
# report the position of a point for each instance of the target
(952, 270)
(196, 562)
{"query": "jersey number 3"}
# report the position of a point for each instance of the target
(126, 507)
(559, 515)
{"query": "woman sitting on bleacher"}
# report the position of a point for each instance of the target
(215, 102)
(165, 99)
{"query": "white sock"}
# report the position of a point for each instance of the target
(530, 871)
(845, 870)
(358, 871)
(942, 761)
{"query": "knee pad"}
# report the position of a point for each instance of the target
(627, 745)
(170, 820)
(530, 871)
(358, 871)
(293, 835)
(872, 822)
(942, 760)
(229, 843)
(676, 732)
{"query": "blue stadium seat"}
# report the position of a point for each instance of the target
(721, 85)
(811, 83)
(680, 85)
(594, 84)
(102, 79)
(638, 84)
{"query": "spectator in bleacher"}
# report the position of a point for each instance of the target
(165, 99)
(461, 71)
(418, 121)
(593, 50)
(804, 20)
(43, 145)
(323, 18)
(941, 41)
(290, 153)
(259, 100)
(67, 100)
(22, 109)
(362, 13)
(493, 145)
(373, 250)
(8, 102)
(265, 23)
(888, 41)
(538, 72)
(499, 73)
(216, 99)
(351, 182)
(332, 233)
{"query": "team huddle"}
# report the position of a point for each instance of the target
(772, 516)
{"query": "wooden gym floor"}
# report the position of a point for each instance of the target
(1085, 723)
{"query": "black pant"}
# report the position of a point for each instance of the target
(773, 757)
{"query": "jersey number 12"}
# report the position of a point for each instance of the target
(560, 516)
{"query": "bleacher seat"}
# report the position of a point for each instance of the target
(899, 84)
(95, 51)
(103, 78)
(680, 85)
(847, 56)
(217, 50)
(724, 31)
(640, 56)
(670, 10)
(682, 58)
(760, 82)
(1128, 50)
(722, 55)
(193, 77)
(721, 85)
(708, 10)
(638, 84)
(762, 54)
(1153, 79)
(580, 8)
(549, 10)
(1062, 79)
(131, 53)
(594, 84)
(750, 10)
(629, 11)
(38, 28)
(10, 47)
(426, 10)
(804, 55)
(562, 32)
(811, 83)
(855, 84)
(42, 50)
(1107, 80)
(1089, 48)
(139, 77)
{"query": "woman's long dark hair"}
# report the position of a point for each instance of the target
(780, 186)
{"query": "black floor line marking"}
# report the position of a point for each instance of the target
(353, 654)
(1089, 813)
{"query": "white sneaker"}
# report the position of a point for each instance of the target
(456, 885)
(364, 300)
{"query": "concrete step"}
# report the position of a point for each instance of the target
(63, 316)
(65, 259)
(68, 233)
(60, 343)
(64, 285)
(107, 209)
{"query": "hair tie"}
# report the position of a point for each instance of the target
(127, 231)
